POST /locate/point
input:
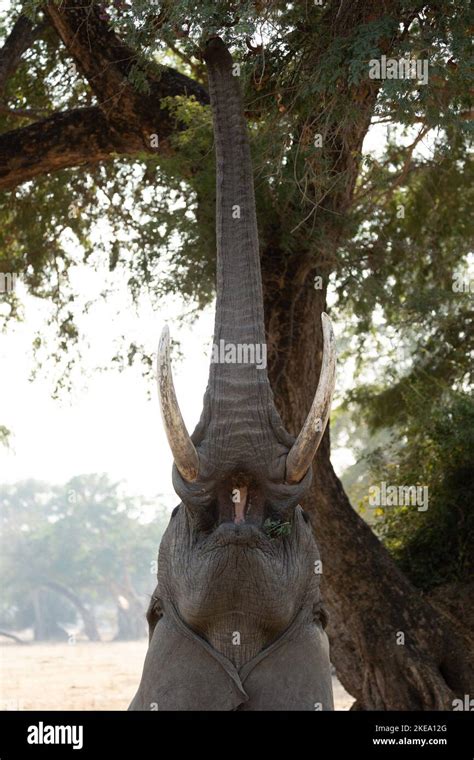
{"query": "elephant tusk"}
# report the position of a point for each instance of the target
(304, 448)
(184, 454)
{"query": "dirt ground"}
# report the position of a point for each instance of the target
(80, 676)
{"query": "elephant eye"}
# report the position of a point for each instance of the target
(174, 512)
(305, 517)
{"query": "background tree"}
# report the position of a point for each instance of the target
(71, 549)
(92, 86)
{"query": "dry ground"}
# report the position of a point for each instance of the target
(81, 676)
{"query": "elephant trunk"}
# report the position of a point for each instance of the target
(239, 411)
(240, 430)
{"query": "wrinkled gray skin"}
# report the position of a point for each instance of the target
(236, 621)
(237, 579)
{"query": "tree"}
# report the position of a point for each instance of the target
(432, 542)
(51, 577)
(325, 215)
(28, 541)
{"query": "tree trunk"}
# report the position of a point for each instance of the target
(392, 650)
(46, 627)
(90, 625)
(131, 624)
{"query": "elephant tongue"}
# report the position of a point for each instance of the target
(240, 504)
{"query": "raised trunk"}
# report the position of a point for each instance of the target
(391, 649)
(239, 420)
(239, 286)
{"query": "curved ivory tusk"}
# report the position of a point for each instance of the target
(304, 448)
(181, 445)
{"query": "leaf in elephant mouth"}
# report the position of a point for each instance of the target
(276, 528)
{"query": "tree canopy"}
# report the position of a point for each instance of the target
(401, 242)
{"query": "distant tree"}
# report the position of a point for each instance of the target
(68, 548)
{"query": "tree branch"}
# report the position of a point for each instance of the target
(102, 58)
(106, 63)
(122, 122)
(19, 40)
(24, 113)
(14, 638)
(81, 136)
(400, 177)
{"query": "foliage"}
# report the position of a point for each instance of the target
(152, 218)
(434, 448)
(276, 528)
(4, 435)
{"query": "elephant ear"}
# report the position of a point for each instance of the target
(320, 614)
(154, 613)
(182, 673)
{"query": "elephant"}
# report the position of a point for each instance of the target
(236, 621)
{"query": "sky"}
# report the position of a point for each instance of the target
(110, 422)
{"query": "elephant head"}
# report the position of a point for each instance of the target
(238, 565)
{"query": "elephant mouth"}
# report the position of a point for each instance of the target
(239, 503)
(243, 515)
(245, 534)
